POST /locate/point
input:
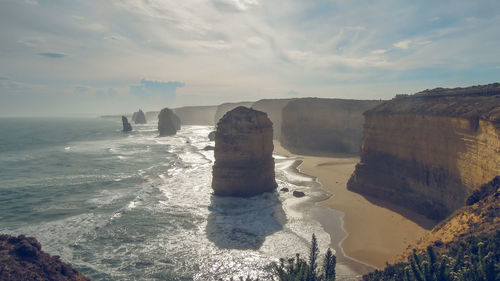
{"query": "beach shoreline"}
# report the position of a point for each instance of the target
(375, 234)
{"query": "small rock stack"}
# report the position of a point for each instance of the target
(168, 122)
(126, 125)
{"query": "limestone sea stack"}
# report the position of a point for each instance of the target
(244, 165)
(140, 117)
(126, 125)
(168, 122)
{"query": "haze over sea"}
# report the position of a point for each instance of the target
(130, 206)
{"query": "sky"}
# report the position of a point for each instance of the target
(92, 57)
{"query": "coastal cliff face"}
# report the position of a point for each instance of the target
(196, 115)
(430, 151)
(244, 165)
(274, 109)
(168, 123)
(22, 258)
(225, 107)
(315, 125)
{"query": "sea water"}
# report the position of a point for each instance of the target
(134, 206)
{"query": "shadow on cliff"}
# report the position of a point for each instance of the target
(244, 223)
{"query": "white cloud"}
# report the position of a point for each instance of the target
(379, 52)
(240, 49)
(405, 44)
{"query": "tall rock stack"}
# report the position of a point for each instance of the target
(139, 117)
(168, 122)
(126, 125)
(244, 165)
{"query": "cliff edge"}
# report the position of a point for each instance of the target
(317, 125)
(244, 165)
(430, 151)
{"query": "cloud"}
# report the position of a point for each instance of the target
(235, 5)
(293, 93)
(52, 55)
(405, 44)
(156, 88)
(379, 52)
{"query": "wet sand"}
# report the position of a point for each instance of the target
(375, 233)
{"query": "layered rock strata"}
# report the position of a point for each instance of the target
(244, 165)
(168, 122)
(22, 258)
(126, 125)
(432, 150)
(316, 125)
(139, 117)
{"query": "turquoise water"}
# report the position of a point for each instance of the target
(133, 206)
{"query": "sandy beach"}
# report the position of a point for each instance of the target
(376, 234)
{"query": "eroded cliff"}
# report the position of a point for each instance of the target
(244, 165)
(430, 151)
(274, 109)
(225, 107)
(315, 125)
(196, 115)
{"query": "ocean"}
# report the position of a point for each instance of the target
(133, 206)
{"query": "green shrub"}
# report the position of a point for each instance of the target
(473, 259)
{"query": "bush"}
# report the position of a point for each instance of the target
(474, 259)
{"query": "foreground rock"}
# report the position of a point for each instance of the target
(432, 150)
(22, 258)
(168, 123)
(126, 125)
(319, 126)
(139, 117)
(244, 165)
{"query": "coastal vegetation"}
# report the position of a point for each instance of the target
(476, 258)
(300, 269)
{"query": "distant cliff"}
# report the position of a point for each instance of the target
(315, 125)
(431, 150)
(196, 115)
(225, 107)
(274, 110)
(139, 117)
(152, 116)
